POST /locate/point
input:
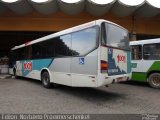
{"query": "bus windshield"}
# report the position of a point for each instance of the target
(114, 36)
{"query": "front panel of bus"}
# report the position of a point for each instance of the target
(115, 57)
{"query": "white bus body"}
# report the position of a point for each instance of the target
(146, 61)
(89, 55)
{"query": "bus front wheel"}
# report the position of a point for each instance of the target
(154, 80)
(45, 78)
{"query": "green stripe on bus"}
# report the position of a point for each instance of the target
(142, 76)
(139, 76)
(154, 67)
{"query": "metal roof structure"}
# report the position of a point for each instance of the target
(121, 8)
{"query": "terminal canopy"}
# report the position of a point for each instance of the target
(121, 8)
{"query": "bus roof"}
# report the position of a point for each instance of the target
(147, 41)
(69, 30)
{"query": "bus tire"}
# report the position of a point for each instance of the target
(45, 78)
(154, 80)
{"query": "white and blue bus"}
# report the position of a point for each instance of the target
(89, 55)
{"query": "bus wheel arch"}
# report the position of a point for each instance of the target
(45, 78)
(154, 79)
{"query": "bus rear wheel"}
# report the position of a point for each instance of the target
(45, 78)
(154, 80)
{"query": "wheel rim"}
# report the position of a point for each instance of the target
(45, 79)
(155, 79)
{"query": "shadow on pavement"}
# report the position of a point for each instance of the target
(97, 95)
(91, 94)
(136, 83)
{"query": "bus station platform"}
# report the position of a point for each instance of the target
(3, 76)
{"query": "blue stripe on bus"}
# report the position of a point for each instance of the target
(36, 65)
(112, 68)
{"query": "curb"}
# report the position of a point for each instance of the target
(5, 76)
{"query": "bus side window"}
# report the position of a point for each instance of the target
(84, 41)
(20, 54)
(44, 49)
(136, 52)
(103, 34)
(63, 46)
(27, 52)
(151, 51)
(35, 51)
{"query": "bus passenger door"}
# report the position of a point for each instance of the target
(137, 62)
